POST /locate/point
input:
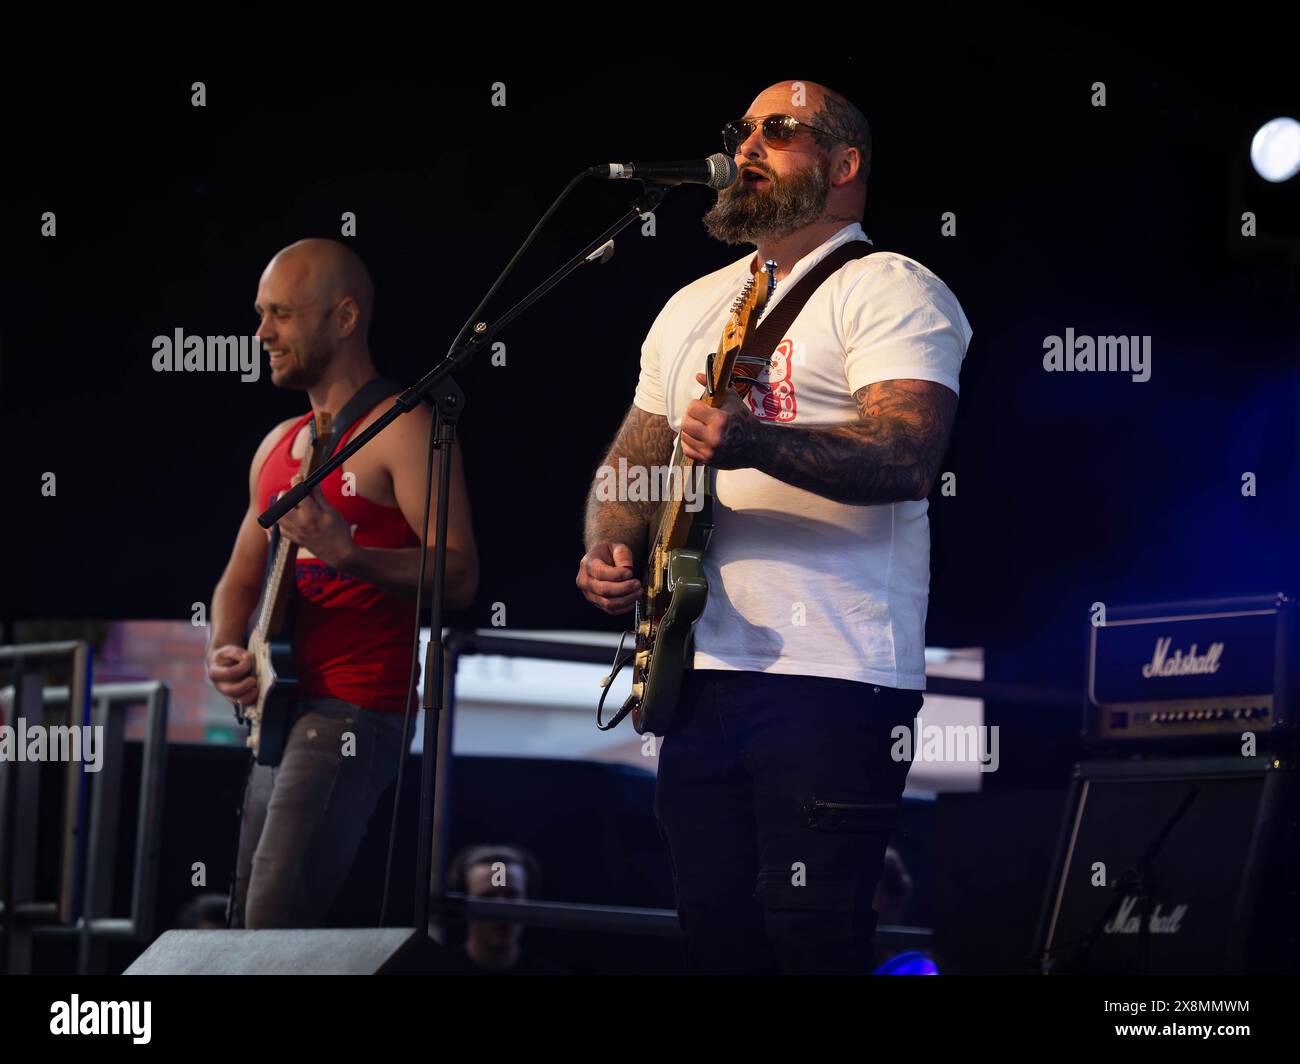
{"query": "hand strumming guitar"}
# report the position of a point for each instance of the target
(230, 669)
(607, 578)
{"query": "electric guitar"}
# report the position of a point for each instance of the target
(675, 588)
(271, 641)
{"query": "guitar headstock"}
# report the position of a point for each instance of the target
(321, 438)
(322, 425)
(749, 306)
(744, 312)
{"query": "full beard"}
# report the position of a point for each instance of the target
(745, 215)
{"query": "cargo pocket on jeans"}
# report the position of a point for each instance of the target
(826, 814)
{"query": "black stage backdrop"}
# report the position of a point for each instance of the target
(1070, 488)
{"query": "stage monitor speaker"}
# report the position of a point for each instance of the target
(1176, 867)
(324, 951)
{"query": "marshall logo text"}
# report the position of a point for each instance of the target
(1161, 664)
(1126, 921)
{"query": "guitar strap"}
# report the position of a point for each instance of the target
(762, 341)
(361, 403)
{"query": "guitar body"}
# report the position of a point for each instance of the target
(676, 588)
(277, 693)
(687, 591)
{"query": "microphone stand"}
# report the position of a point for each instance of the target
(438, 387)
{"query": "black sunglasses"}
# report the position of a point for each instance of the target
(778, 131)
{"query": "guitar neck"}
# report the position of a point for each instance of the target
(281, 579)
(675, 520)
(275, 599)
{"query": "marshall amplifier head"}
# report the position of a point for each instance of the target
(1208, 669)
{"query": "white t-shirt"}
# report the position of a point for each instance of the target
(798, 583)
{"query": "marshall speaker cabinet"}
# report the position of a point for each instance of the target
(1182, 866)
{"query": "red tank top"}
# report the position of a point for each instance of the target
(351, 640)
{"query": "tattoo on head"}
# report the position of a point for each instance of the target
(847, 125)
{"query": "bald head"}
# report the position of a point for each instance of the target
(836, 120)
(327, 272)
(315, 299)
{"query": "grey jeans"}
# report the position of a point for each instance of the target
(304, 820)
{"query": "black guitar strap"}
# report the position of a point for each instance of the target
(360, 404)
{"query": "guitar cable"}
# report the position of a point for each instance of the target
(620, 660)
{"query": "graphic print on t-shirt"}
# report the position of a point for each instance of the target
(770, 394)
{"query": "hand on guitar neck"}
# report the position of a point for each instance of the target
(724, 436)
(316, 526)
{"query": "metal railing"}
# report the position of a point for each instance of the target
(83, 910)
(20, 805)
(96, 927)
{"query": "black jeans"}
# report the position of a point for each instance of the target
(776, 797)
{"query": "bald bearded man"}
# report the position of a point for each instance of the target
(358, 567)
(777, 792)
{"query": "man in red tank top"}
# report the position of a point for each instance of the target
(358, 565)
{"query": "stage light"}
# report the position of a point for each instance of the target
(1275, 149)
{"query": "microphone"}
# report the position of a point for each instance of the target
(717, 171)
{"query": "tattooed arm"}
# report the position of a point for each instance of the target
(644, 440)
(892, 453)
(617, 532)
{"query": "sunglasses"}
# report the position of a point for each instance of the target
(778, 131)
